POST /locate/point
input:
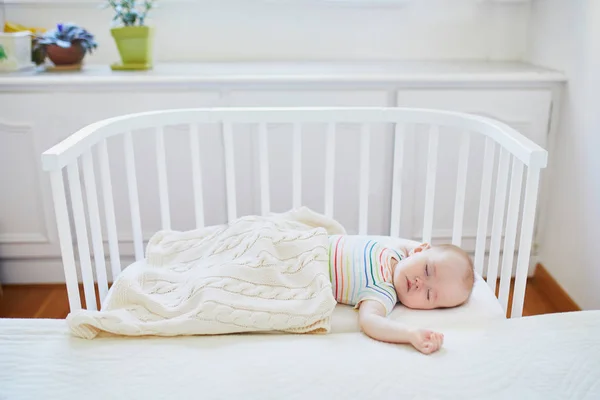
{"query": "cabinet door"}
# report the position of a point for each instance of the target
(525, 110)
(31, 123)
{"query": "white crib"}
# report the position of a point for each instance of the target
(89, 149)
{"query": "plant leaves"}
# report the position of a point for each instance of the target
(63, 43)
(64, 37)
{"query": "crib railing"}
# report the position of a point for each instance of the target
(80, 147)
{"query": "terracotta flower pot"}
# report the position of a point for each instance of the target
(65, 56)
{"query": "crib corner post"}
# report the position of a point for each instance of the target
(529, 207)
(65, 238)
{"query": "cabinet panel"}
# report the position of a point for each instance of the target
(525, 110)
(55, 117)
(21, 214)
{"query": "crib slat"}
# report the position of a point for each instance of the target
(498, 220)
(461, 186)
(197, 175)
(163, 188)
(265, 197)
(134, 203)
(365, 161)
(511, 231)
(109, 210)
(66, 241)
(430, 185)
(397, 180)
(229, 171)
(94, 217)
(527, 222)
(329, 169)
(297, 167)
(484, 204)
(82, 238)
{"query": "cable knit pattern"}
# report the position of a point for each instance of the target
(254, 274)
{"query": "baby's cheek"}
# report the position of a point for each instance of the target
(409, 301)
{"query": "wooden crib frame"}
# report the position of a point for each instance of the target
(79, 147)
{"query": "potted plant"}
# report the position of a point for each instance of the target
(133, 37)
(65, 46)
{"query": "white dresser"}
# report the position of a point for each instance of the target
(38, 109)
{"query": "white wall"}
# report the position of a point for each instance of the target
(566, 35)
(306, 29)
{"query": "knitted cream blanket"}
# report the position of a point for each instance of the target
(254, 274)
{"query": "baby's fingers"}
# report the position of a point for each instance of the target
(438, 338)
(428, 348)
(432, 347)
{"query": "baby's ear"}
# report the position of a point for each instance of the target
(419, 248)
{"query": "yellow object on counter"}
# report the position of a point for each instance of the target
(11, 27)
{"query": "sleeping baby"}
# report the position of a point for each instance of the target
(373, 277)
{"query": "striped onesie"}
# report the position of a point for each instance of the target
(360, 269)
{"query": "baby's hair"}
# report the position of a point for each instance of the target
(469, 276)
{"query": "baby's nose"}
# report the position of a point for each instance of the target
(418, 282)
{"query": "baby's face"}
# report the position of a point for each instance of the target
(431, 279)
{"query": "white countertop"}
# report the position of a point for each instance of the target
(406, 72)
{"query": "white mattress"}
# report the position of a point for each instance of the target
(547, 357)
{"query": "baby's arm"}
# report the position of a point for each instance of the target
(373, 322)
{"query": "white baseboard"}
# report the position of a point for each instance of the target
(31, 271)
(39, 271)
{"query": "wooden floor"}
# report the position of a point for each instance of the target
(34, 301)
(50, 301)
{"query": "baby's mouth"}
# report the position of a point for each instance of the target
(408, 285)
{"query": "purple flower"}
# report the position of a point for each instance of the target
(60, 27)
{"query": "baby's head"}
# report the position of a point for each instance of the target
(434, 277)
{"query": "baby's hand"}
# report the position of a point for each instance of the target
(426, 341)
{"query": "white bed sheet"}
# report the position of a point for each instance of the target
(546, 357)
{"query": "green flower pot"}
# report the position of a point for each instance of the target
(135, 46)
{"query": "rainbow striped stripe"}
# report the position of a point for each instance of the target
(360, 269)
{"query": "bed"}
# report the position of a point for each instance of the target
(553, 356)
(485, 355)
(502, 213)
